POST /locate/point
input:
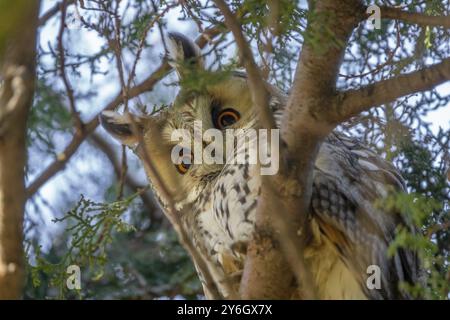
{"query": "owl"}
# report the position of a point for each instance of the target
(350, 233)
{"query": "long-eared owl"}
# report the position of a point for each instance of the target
(349, 231)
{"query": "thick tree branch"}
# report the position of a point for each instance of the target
(330, 25)
(415, 17)
(353, 102)
(320, 59)
(274, 248)
(17, 69)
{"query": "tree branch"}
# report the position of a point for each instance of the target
(53, 11)
(17, 69)
(266, 273)
(350, 103)
(415, 17)
(62, 70)
(330, 24)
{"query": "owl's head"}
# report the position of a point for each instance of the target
(223, 103)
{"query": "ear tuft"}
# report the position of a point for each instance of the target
(120, 126)
(182, 50)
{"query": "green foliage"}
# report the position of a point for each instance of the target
(47, 117)
(315, 36)
(117, 260)
(427, 207)
(197, 80)
(276, 29)
(435, 262)
(288, 15)
(90, 226)
(148, 264)
(422, 175)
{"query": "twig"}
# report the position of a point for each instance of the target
(53, 11)
(123, 173)
(62, 69)
(377, 69)
(438, 227)
(134, 185)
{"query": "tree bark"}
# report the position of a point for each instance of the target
(17, 70)
(331, 23)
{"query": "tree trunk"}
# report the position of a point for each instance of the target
(17, 76)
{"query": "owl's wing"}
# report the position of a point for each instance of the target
(349, 180)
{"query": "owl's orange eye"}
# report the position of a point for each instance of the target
(226, 118)
(186, 161)
(183, 167)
